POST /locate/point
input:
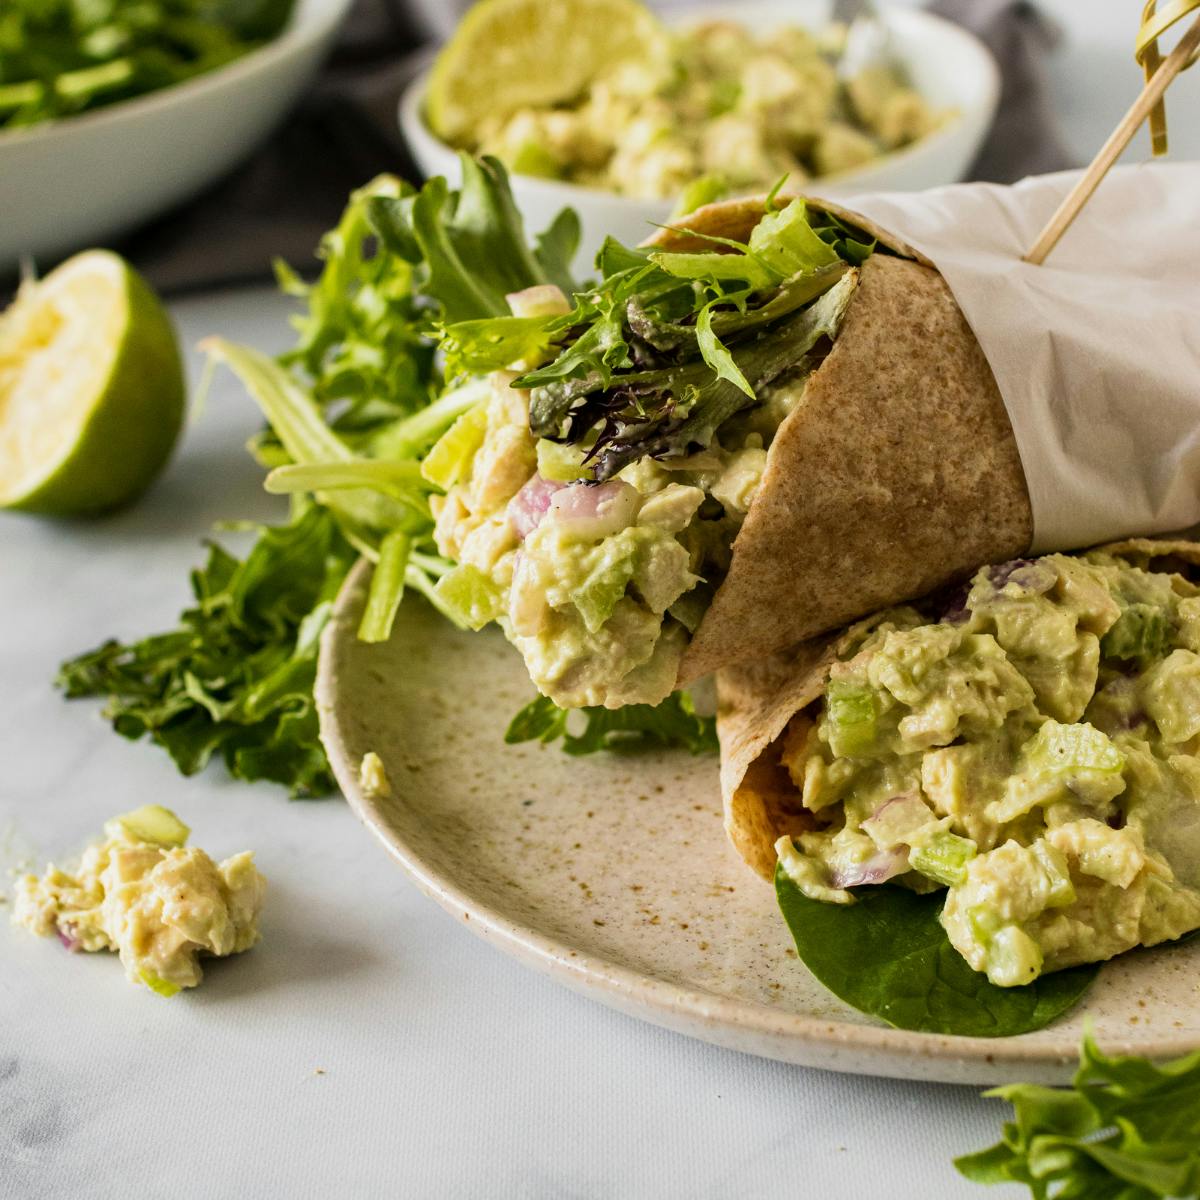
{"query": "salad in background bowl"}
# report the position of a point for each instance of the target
(670, 112)
(74, 172)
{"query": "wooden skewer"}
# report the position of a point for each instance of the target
(1081, 193)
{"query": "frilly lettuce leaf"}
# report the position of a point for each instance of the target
(1129, 1129)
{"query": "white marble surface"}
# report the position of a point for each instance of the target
(370, 1046)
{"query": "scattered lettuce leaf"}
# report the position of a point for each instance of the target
(673, 724)
(235, 679)
(1128, 1130)
(888, 955)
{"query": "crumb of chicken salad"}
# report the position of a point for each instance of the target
(143, 893)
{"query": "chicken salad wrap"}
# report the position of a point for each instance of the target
(1022, 750)
(764, 422)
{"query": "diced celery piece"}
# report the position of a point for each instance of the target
(943, 857)
(453, 451)
(150, 823)
(1068, 748)
(598, 594)
(562, 464)
(157, 984)
(1013, 957)
(851, 714)
(1058, 873)
(470, 597)
(1141, 633)
(984, 923)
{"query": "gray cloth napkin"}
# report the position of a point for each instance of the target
(344, 132)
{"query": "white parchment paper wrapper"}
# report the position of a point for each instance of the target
(1096, 352)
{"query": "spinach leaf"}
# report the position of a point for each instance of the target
(672, 724)
(889, 956)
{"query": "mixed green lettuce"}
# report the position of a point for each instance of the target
(59, 57)
(666, 347)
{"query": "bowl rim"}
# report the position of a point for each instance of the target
(415, 129)
(304, 28)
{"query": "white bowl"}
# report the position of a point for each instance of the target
(88, 178)
(950, 67)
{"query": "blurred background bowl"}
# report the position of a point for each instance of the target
(88, 178)
(949, 67)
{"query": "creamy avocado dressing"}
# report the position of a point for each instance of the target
(1034, 752)
(600, 585)
(143, 893)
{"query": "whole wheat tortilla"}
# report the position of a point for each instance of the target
(756, 700)
(897, 471)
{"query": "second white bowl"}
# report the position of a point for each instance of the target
(950, 67)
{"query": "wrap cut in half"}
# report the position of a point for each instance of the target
(896, 473)
(1095, 650)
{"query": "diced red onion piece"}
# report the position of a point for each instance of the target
(67, 935)
(879, 868)
(1027, 574)
(888, 810)
(595, 510)
(527, 508)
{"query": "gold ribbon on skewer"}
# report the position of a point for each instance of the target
(1155, 22)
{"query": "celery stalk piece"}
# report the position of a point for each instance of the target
(1068, 748)
(445, 463)
(600, 592)
(1013, 957)
(1058, 874)
(150, 823)
(943, 857)
(851, 712)
(469, 597)
(157, 984)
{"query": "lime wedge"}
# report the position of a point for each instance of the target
(91, 388)
(511, 54)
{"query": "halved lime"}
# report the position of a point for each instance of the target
(91, 388)
(511, 54)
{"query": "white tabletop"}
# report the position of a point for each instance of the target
(370, 1046)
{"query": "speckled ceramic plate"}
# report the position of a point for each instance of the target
(612, 873)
